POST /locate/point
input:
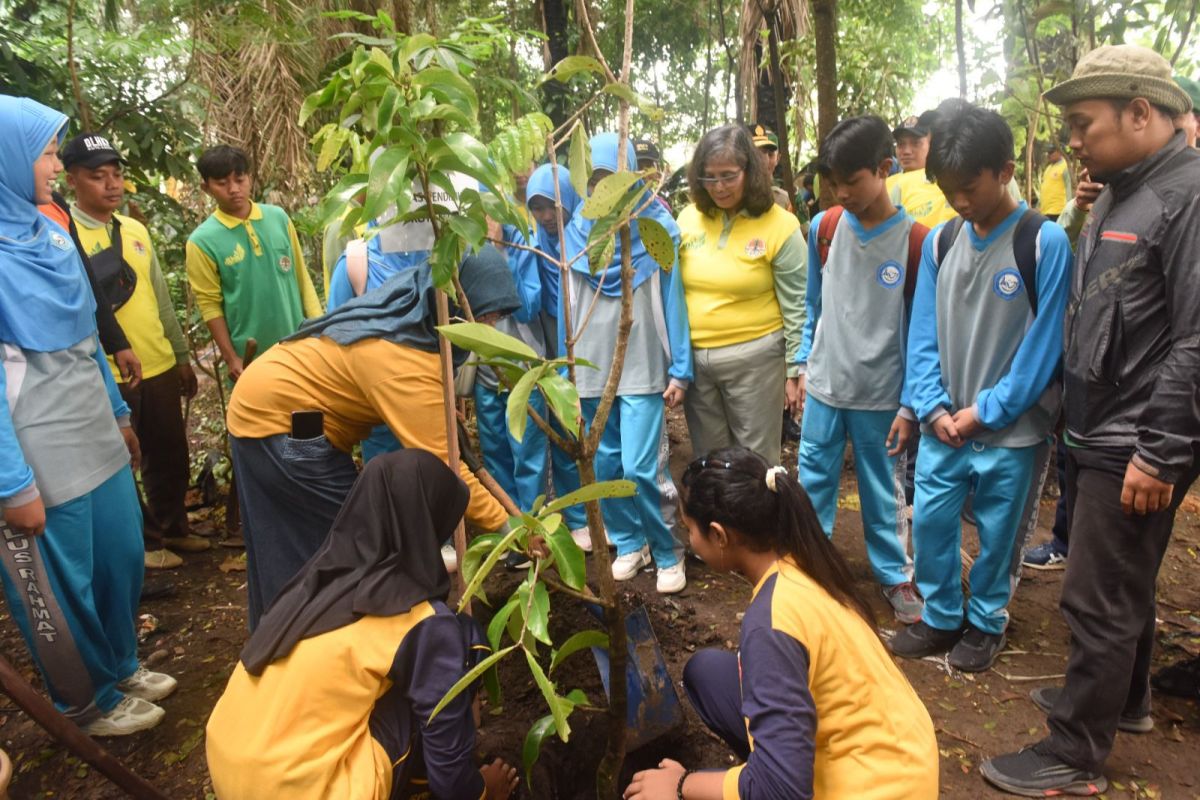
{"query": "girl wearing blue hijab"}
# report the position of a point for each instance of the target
(657, 370)
(545, 210)
(72, 562)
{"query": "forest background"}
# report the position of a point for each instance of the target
(166, 78)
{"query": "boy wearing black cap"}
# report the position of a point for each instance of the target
(912, 189)
(129, 275)
(1132, 376)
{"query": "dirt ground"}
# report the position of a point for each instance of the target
(201, 629)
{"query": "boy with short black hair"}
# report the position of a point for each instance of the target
(983, 352)
(865, 253)
(132, 282)
(245, 263)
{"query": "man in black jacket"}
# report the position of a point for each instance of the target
(1132, 373)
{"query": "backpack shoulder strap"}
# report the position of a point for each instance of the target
(916, 241)
(356, 265)
(825, 232)
(946, 237)
(1025, 239)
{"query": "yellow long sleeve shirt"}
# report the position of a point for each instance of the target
(357, 387)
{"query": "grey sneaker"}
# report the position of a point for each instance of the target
(1045, 697)
(1035, 772)
(147, 685)
(131, 715)
(976, 651)
(906, 601)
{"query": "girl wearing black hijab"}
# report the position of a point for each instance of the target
(332, 696)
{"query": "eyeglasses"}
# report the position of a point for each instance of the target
(726, 179)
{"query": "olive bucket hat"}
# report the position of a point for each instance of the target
(1122, 71)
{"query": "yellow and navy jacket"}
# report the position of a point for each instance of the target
(829, 715)
(342, 715)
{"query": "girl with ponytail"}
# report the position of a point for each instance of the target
(812, 701)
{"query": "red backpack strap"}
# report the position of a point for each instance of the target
(916, 242)
(825, 231)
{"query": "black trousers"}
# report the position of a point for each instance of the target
(158, 422)
(1108, 602)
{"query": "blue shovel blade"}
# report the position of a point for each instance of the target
(653, 704)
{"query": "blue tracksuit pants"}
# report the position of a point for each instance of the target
(381, 441)
(565, 474)
(631, 449)
(74, 592)
(823, 436)
(1001, 479)
(519, 467)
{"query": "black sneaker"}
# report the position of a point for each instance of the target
(1034, 772)
(920, 640)
(976, 651)
(517, 561)
(1045, 697)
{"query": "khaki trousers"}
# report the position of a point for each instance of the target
(737, 397)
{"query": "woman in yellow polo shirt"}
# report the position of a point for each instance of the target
(333, 693)
(743, 265)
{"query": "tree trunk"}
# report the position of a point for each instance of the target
(555, 95)
(731, 69)
(825, 39)
(402, 14)
(780, 105)
(961, 48)
(707, 67)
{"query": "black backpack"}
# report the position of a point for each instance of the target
(1024, 247)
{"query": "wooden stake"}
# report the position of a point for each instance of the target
(68, 733)
(452, 453)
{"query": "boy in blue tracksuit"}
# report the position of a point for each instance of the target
(545, 210)
(853, 358)
(984, 351)
(657, 369)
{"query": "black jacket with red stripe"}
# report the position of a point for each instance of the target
(1132, 363)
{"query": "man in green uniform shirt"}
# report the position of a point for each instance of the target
(245, 264)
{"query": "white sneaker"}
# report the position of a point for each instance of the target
(626, 566)
(147, 685)
(671, 579)
(583, 538)
(450, 558)
(131, 715)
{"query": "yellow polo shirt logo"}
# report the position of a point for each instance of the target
(238, 256)
(756, 248)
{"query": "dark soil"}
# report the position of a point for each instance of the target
(202, 627)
